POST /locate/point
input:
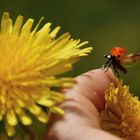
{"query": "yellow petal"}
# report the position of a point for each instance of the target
(1, 117)
(22, 115)
(9, 129)
(43, 117)
(11, 118)
(25, 120)
(36, 27)
(42, 34)
(27, 27)
(17, 26)
(54, 32)
(57, 97)
(34, 109)
(45, 102)
(57, 110)
(6, 23)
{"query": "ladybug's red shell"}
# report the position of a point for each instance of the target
(118, 51)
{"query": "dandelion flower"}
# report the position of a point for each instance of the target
(31, 59)
(121, 115)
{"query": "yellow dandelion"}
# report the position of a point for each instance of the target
(30, 60)
(122, 113)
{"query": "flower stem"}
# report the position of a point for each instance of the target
(28, 131)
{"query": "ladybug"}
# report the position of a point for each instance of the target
(117, 59)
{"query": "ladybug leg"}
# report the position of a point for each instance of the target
(106, 65)
(115, 69)
(109, 65)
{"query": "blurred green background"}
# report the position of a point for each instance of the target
(104, 23)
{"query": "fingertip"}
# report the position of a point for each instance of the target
(93, 84)
(111, 76)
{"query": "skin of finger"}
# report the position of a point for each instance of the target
(82, 104)
(92, 85)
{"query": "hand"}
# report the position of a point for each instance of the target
(82, 106)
